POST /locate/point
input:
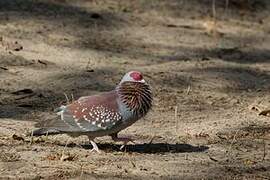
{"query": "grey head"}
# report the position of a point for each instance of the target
(133, 76)
(135, 97)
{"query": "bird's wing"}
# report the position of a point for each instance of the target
(52, 121)
(92, 113)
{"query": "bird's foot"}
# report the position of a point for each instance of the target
(95, 147)
(125, 140)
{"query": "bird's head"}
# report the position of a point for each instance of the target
(133, 76)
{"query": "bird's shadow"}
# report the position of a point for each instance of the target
(151, 148)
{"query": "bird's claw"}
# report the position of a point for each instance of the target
(95, 147)
(124, 140)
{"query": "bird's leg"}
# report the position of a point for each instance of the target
(125, 140)
(67, 99)
(63, 152)
(95, 147)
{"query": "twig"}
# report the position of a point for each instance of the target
(226, 6)
(72, 97)
(186, 157)
(233, 140)
(46, 137)
(188, 89)
(176, 119)
(63, 166)
(66, 98)
(81, 175)
(32, 137)
(264, 150)
(88, 65)
(63, 152)
(151, 140)
(211, 158)
(265, 112)
(214, 8)
(189, 78)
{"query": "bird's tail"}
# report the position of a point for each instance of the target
(45, 131)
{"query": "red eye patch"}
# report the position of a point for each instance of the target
(136, 76)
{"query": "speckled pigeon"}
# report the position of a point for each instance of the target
(103, 114)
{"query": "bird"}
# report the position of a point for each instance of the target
(104, 114)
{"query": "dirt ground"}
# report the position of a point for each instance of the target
(210, 78)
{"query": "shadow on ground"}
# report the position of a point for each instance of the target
(152, 148)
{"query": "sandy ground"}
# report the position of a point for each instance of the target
(210, 81)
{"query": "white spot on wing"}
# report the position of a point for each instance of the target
(83, 128)
(84, 109)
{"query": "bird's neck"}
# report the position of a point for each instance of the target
(136, 96)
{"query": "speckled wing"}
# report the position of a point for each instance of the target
(92, 113)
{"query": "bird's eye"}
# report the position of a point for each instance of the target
(136, 76)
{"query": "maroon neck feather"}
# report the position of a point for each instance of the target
(136, 96)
